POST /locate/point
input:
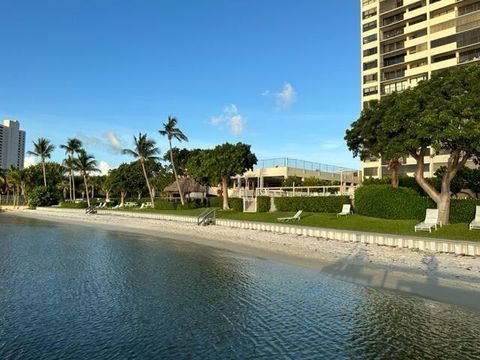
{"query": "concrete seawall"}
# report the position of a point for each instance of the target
(458, 247)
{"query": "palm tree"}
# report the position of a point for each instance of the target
(171, 131)
(69, 165)
(42, 149)
(85, 164)
(144, 150)
(72, 147)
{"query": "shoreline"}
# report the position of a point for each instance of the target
(446, 278)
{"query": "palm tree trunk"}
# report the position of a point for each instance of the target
(175, 173)
(73, 186)
(70, 180)
(86, 187)
(44, 174)
(148, 182)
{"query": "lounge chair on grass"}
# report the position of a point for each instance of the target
(431, 221)
(146, 205)
(295, 217)
(346, 210)
(475, 224)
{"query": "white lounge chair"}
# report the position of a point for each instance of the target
(346, 210)
(146, 205)
(475, 224)
(295, 217)
(431, 221)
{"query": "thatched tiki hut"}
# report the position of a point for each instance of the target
(190, 188)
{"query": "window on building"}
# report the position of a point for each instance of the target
(370, 38)
(369, 13)
(369, 26)
(371, 51)
(370, 91)
(370, 65)
(463, 10)
(370, 78)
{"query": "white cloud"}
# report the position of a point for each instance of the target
(231, 118)
(104, 167)
(29, 161)
(109, 140)
(113, 141)
(88, 139)
(216, 120)
(285, 97)
(237, 123)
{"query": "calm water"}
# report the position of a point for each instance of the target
(70, 292)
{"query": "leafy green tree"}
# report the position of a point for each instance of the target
(122, 180)
(370, 137)
(220, 164)
(291, 180)
(72, 147)
(85, 164)
(42, 149)
(180, 159)
(144, 150)
(443, 114)
(171, 131)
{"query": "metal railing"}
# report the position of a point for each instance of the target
(340, 190)
(207, 217)
(300, 164)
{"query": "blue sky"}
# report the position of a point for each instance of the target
(281, 75)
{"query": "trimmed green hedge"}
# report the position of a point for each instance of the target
(463, 210)
(234, 203)
(73, 205)
(383, 201)
(161, 204)
(263, 204)
(188, 205)
(320, 204)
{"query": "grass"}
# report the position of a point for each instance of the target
(354, 222)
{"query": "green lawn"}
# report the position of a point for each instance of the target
(353, 222)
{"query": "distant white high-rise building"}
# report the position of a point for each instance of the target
(12, 145)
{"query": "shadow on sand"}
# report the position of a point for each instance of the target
(425, 281)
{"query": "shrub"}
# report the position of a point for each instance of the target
(263, 204)
(383, 201)
(188, 205)
(321, 204)
(162, 204)
(462, 210)
(40, 196)
(216, 201)
(74, 205)
(234, 203)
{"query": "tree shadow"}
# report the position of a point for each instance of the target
(424, 281)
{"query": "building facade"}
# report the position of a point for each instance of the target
(12, 145)
(403, 42)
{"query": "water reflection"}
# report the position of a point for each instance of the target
(77, 292)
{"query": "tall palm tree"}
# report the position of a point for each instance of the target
(69, 165)
(171, 131)
(85, 164)
(72, 147)
(144, 150)
(42, 149)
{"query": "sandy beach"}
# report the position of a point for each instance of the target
(443, 277)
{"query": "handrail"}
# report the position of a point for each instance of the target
(207, 217)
